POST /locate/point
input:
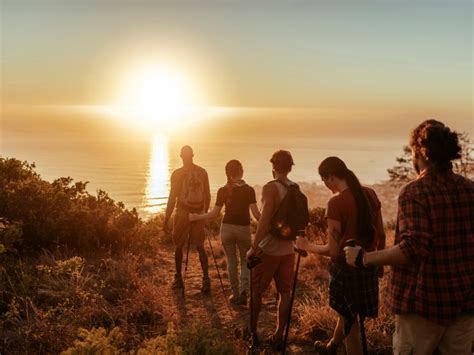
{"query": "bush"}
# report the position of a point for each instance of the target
(97, 341)
(62, 213)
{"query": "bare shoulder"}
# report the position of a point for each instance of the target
(269, 190)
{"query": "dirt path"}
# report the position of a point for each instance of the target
(213, 310)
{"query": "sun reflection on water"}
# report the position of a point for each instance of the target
(157, 189)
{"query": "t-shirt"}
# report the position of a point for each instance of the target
(343, 208)
(236, 203)
(177, 184)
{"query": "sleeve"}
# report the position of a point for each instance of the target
(414, 234)
(252, 196)
(333, 211)
(221, 196)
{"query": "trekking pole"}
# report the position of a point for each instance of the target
(301, 253)
(251, 263)
(352, 243)
(187, 255)
(218, 273)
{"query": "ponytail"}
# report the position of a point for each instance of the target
(365, 216)
(333, 166)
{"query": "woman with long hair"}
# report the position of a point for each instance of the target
(353, 214)
(238, 198)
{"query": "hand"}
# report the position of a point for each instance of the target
(193, 217)
(302, 243)
(254, 252)
(250, 253)
(351, 255)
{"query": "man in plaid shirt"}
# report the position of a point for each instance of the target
(431, 287)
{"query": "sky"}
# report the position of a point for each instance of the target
(367, 65)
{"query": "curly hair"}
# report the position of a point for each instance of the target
(436, 143)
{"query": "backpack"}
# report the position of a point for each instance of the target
(192, 190)
(292, 214)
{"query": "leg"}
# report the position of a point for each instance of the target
(228, 242)
(352, 341)
(180, 236)
(283, 311)
(415, 335)
(458, 337)
(284, 278)
(338, 335)
(244, 243)
(262, 277)
(198, 237)
(203, 260)
(178, 260)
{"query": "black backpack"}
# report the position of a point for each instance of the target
(292, 214)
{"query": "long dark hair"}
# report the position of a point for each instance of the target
(333, 166)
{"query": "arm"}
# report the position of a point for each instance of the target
(171, 200)
(268, 206)
(210, 215)
(255, 212)
(207, 191)
(413, 232)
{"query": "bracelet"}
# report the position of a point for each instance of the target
(359, 262)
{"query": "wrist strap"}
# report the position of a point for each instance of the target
(359, 262)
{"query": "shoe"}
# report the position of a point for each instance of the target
(253, 341)
(276, 343)
(242, 299)
(206, 285)
(329, 348)
(178, 283)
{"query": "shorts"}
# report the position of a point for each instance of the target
(417, 335)
(279, 268)
(182, 227)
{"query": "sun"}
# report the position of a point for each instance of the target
(157, 94)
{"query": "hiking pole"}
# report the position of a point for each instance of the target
(251, 263)
(301, 253)
(218, 272)
(352, 243)
(187, 254)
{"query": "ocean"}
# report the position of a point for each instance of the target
(136, 170)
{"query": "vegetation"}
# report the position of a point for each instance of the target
(81, 274)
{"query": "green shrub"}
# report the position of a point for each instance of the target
(97, 341)
(62, 213)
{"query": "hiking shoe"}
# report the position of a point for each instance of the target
(178, 283)
(242, 299)
(206, 285)
(276, 343)
(322, 348)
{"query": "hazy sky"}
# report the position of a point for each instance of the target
(390, 60)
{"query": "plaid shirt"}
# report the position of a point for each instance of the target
(435, 231)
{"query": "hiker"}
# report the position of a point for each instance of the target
(238, 198)
(353, 214)
(190, 193)
(276, 255)
(431, 290)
